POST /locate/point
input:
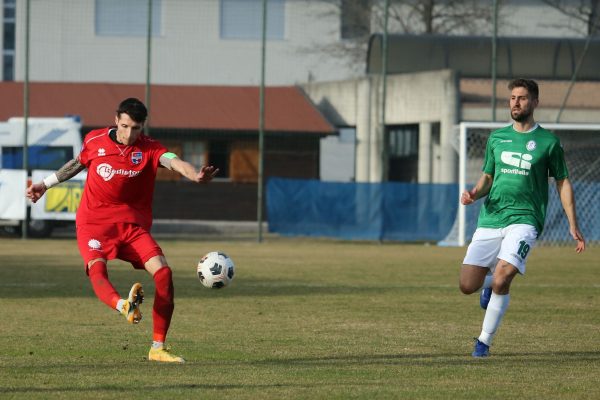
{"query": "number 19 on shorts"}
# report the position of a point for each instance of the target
(523, 249)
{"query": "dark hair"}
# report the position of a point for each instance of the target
(529, 84)
(134, 108)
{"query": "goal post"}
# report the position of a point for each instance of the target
(581, 143)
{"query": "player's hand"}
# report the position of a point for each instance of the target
(578, 236)
(35, 191)
(206, 173)
(468, 197)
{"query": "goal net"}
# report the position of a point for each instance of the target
(581, 143)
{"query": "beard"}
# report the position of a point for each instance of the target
(520, 115)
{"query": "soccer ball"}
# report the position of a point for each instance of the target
(215, 270)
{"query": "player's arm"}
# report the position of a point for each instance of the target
(481, 189)
(567, 198)
(172, 162)
(64, 173)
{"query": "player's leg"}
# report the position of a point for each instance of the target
(519, 239)
(162, 311)
(144, 253)
(479, 259)
(97, 244)
(103, 288)
(498, 304)
(472, 278)
(105, 291)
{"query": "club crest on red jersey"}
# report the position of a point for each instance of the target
(136, 157)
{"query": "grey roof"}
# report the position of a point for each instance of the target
(536, 58)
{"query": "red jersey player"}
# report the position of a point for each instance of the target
(115, 214)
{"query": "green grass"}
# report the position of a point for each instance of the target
(304, 319)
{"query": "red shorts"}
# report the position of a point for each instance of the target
(125, 241)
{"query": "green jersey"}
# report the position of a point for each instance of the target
(520, 164)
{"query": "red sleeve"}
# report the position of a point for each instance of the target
(83, 157)
(157, 150)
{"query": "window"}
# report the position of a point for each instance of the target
(195, 153)
(403, 151)
(404, 140)
(8, 41)
(127, 18)
(218, 156)
(242, 19)
(355, 19)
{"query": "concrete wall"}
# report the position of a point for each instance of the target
(427, 99)
(189, 49)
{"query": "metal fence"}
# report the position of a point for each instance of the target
(227, 82)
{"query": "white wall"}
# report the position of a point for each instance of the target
(64, 47)
(426, 97)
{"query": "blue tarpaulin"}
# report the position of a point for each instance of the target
(401, 211)
(369, 211)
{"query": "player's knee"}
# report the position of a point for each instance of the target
(467, 287)
(501, 285)
(165, 272)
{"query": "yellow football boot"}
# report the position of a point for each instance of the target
(131, 306)
(162, 354)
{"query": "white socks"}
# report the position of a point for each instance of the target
(119, 306)
(493, 316)
(157, 345)
(487, 282)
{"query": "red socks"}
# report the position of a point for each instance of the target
(162, 311)
(104, 290)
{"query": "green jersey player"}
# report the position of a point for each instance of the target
(518, 161)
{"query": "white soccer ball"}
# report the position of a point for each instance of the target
(215, 270)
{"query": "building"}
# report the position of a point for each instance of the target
(217, 44)
(435, 82)
(215, 125)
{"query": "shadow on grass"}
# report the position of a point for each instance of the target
(153, 389)
(427, 360)
(247, 288)
(556, 357)
(19, 280)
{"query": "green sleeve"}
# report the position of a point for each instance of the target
(557, 166)
(489, 164)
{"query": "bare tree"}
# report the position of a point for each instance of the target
(360, 18)
(444, 17)
(586, 13)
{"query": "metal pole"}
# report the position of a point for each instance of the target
(25, 223)
(261, 125)
(574, 76)
(148, 65)
(384, 61)
(494, 57)
(462, 183)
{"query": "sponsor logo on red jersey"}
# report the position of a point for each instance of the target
(106, 171)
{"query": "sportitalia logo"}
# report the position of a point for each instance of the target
(519, 160)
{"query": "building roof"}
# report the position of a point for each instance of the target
(583, 95)
(229, 108)
(471, 56)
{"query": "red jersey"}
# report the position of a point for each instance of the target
(120, 179)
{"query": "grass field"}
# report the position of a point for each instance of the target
(304, 319)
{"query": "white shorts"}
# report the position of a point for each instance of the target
(511, 244)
